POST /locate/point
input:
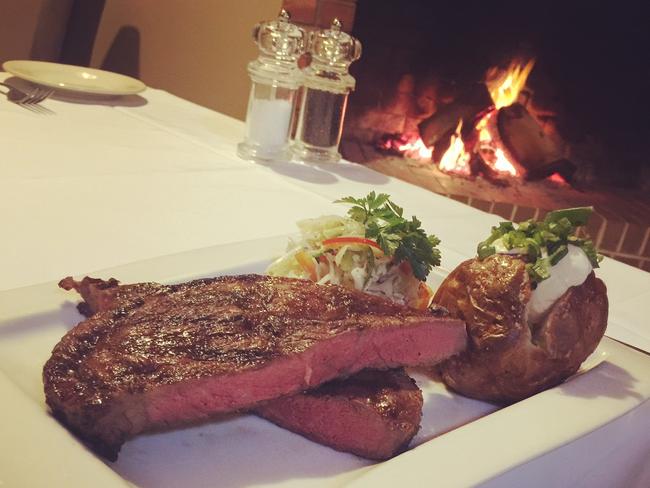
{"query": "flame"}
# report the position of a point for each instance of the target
(416, 149)
(505, 86)
(411, 147)
(492, 154)
(456, 158)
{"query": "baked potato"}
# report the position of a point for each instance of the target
(508, 358)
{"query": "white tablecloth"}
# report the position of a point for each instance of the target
(92, 186)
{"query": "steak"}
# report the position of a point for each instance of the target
(373, 414)
(186, 353)
(101, 295)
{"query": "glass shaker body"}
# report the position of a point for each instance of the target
(268, 120)
(275, 80)
(320, 124)
(324, 95)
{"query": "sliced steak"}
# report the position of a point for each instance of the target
(189, 352)
(373, 414)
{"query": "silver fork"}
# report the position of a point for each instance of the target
(29, 100)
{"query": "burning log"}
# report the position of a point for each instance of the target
(466, 107)
(533, 149)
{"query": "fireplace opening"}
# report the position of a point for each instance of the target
(568, 81)
(516, 108)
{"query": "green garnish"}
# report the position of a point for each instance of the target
(544, 243)
(398, 237)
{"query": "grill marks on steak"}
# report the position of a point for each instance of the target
(373, 414)
(190, 352)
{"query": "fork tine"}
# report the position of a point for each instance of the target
(38, 95)
(38, 108)
(31, 108)
(35, 97)
(34, 107)
(32, 96)
(43, 109)
(31, 100)
(24, 99)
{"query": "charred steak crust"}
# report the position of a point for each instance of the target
(190, 352)
(373, 414)
(99, 295)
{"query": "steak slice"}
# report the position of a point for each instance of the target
(193, 351)
(373, 414)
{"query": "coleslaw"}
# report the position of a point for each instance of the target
(337, 250)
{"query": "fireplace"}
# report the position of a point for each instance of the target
(514, 108)
(429, 65)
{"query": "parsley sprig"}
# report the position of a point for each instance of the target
(545, 243)
(398, 237)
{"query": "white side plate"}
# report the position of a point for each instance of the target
(74, 78)
(247, 451)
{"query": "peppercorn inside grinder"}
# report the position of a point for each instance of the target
(324, 94)
(275, 80)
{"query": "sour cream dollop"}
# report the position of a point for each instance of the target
(572, 270)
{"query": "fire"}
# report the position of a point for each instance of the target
(492, 154)
(557, 178)
(416, 149)
(456, 158)
(487, 152)
(411, 147)
(505, 86)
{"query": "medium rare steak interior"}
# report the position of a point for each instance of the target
(192, 351)
(373, 414)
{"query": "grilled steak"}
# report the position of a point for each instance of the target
(100, 295)
(189, 352)
(373, 414)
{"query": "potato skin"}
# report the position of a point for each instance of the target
(508, 359)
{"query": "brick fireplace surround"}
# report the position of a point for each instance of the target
(620, 226)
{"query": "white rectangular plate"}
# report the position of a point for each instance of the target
(247, 451)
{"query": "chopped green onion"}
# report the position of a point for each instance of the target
(578, 216)
(558, 254)
(546, 242)
(485, 251)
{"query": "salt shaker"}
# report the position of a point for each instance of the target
(326, 85)
(275, 80)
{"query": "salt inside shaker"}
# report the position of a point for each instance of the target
(275, 80)
(326, 85)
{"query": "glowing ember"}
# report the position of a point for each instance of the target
(456, 158)
(416, 149)
(490, 151)
(505, 86)
(411, 147)
(557, 178)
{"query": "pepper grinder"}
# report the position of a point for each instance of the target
(326, 85)
(275, 80)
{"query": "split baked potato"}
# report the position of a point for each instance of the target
(508, 358)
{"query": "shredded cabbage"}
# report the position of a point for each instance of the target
(351, 265)
(315, 231)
